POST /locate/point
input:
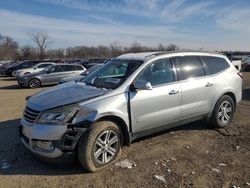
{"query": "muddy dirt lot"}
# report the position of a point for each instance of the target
(189, 156)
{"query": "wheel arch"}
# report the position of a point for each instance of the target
(232, 95)
(122, 125)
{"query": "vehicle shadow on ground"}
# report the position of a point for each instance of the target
(11, 87)
(18, 87)
(201, 125)
(7, 78)
(18, 160)
(246, 94)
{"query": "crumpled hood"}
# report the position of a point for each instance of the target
(68, 93)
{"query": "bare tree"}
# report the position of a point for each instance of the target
(115, 49)
(27, 52)
(172, 47)
(8, 48)
(42, 41)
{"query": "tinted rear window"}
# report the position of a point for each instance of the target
(78, 68)
(215, 64)
(189, 67)
(68, 68)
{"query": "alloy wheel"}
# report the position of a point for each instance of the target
(105, 147)
(34, 83)
(225, 111)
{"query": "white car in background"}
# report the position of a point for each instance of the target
(36, 68)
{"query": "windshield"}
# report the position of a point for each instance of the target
(91, 69)
(112, 74)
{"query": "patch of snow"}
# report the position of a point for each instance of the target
(222, 164)
(161, 178)
(237, 147)
(173, 159)
(126, 164)
(163, 164)
(214, 169)
(236, 186)
(247, 183)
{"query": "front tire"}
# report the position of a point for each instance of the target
(223, 112)
(34, 83)
(100, 146)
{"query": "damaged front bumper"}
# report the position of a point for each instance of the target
(50, 141)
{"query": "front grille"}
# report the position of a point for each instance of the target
(30, 115)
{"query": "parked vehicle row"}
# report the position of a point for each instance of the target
(36, 68)
(131, 96)
(8, 70)
(50, 75)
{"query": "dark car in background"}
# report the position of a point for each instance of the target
(4, 65)
(81, 76)
(19, 65)
(245, 63)
(50, 75)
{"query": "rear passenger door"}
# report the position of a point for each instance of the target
(196, 87)
(53, 75)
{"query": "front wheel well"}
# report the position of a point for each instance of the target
(122, 125)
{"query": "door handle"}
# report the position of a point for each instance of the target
(173, 92)
(209, 84)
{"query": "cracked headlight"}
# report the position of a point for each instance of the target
(58, 116)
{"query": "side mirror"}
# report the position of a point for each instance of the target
(142, 85)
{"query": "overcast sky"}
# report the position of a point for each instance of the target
(190, 24)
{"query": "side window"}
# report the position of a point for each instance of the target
(43, 65)
(24, 65)
(215, 64)
(67, 68)
(58, 69)
(78, 68)
(157, 73)
(189, 67)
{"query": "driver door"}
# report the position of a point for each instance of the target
(161, 106)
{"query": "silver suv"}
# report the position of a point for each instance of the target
(131, 96)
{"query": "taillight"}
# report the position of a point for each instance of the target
(240, 74)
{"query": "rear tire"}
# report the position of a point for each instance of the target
(34, 83)
(223, 112)
(100, 146)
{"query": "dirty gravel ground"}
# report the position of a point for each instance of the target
(189, 156)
